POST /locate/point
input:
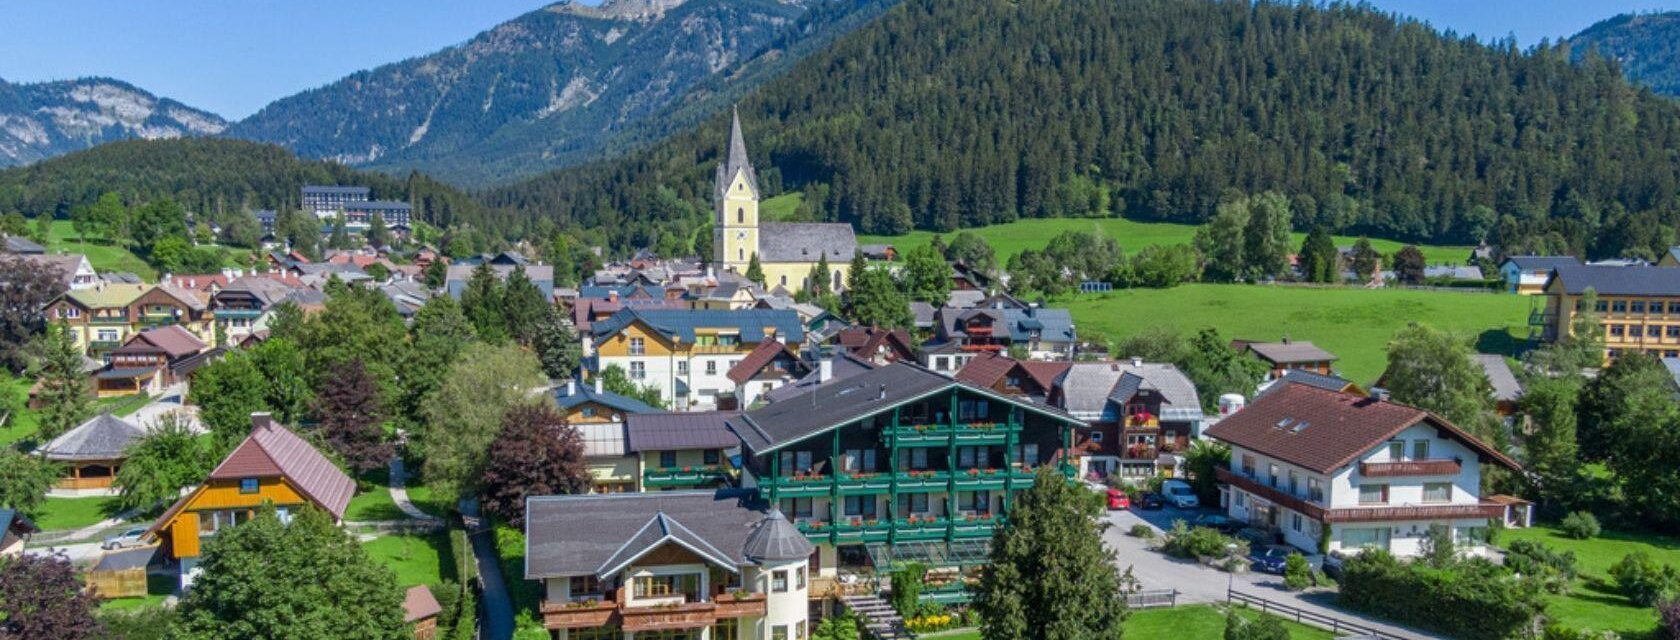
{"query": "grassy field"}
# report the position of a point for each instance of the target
(780, 207)
(376, 504)
(73, 513)
(1010, 239)
(1353, 323)
(1200, 622)
(63, 238)
(158, 587)
(416, 559)
(1594, 603)
(23, 424)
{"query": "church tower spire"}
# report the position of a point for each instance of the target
(736, 219)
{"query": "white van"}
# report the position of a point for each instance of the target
(1179, 494)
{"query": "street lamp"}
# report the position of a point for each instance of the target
(1230, 569)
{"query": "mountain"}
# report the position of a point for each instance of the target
(45, 119)
(1646, 45)
(548, 88)
(943, 114)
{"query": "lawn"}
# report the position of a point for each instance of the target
(63, 238)
(1011, 238)
(416, 559)
(121, 406)
(1200, 622)
(780, 207)
(22, 425)
(73, 513)
(376, 504)
(158, 587)
(1355, 324)
(1594, 603)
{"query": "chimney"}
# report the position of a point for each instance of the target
(262, 420)
(1136, 361)
(598, 384)
(825, 370)
(1379, 394)
(882, 393)
(612, 296)
(571, 387)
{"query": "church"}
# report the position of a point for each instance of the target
(786, 250)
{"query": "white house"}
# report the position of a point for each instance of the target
(1309, 464)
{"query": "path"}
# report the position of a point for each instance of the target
(171, 399)
(399, 494)
(1200, 584)
(496, 623)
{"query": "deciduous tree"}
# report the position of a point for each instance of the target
(536, 454)
(926, 276)
(351, 417)
(25, 479)
(1266, 239)
(24, 294)
(1221, 244)
(1433, 369)
(1365, 259)
(875, 300)
(616, 380)
(169, 457)
(972, 250)
(439, 333)
(464, 415)
(42, 598)
(1409, 265)
(227, 392)
(285, 373)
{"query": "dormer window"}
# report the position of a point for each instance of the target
(248, 485)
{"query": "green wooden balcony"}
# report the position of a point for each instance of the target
(802, 486)
(921, 528)
(939, 435)
(923, 481)
(684, 476)
(864, 483)
(976, 479)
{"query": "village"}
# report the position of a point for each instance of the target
(795, 429)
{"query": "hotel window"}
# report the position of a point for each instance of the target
(796, 461)
(671, 585)
(1617, 330)
(1601, 307)
(860, 506)
(799, 578)
(973, 409)
(1373, 494)
(1294, 483)
(909, 503)
(638, 346)
(585, 585)
(1420, 449)
(778, 584)
(1397, 450)
(1618, 306)
(247, 485)
(1437, 492)
(1653, 331)
(1315, 490)
(979, 502)
(860, 460)
(1674, 308)
(916, 459)
(1027, 453)
(711, 456)
(1673, 331)
(667, 459)
(711, 367)
(1365, 538)
(638, 370)
(797, 507)
(1637, 306)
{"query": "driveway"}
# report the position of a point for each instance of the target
(1200, 584)
(172, 399)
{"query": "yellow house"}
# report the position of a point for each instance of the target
(678, 451)
(1638, 307)
(687, 353)
(599, 416)
(104, 316)
(271, 466)
(786, 251)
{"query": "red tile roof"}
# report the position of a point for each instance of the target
(866, 342)
(1045, 373)
(1322, 430)
(985, 370)
(761, 355)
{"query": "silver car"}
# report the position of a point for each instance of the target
(124, 540)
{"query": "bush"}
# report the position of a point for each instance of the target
(1471, 599)
(1144, 531)
(1552, 569)
(1668, 613)
(1643, 580)
(1580, 525)
(1297, 574)
(1265, 627)
(1201, 542)
(907, 589)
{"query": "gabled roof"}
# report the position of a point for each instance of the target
(1541, 263)
(757, 359)
(192, 299)
(806, 242)
(843, 365)
(866, 342)
(573, 395)
(107, 296)
(1287, 351)
(624, 526)
(419, 604)
(1087, 388)
(985, 369)
(18, 244)
(1323, 431)
(273, 451)
(840, 403)
(1313, 379)
(682, 324)
(102, 437)
(13, 520)
(172, 340)
(1616, 281)
(680, 431)
(1506, 387)
(266, 289)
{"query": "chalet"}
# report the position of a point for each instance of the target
(1527, 275)
(682, 450)
(1045, 334)
(687, 354)
(149, 361)
(1280, 357)
(272, 466)
(75, 272)
(881, 346)
(1324, 470)
(1018, 378)
(91, 453)
(1142, 416)
(769, 365)
(246, 304)
(586, 404)
(15, 529)
(966, 278)
(682, 564)
(1638, 307)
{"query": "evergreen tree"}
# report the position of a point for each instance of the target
(855, 270)
(377, 234)
(481, 301)
(536, 454)
(557, 347)
(1319, 261)
(926, 276)
(436, 274)
(65, 399)
(1366, 260)
(340, 238)
(1551, 453)
(1051, 576)
(350, 416)
(439, 333)
(1409, 265)
(755, 271)
(523, 306)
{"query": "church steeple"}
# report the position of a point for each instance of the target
(736, 159)
(735, 238)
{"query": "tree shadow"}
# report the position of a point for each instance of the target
(1501, 342)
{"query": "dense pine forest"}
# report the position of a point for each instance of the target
(1646, 45)
(950, 113)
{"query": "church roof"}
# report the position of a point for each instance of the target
(736, 160)
(806, 242)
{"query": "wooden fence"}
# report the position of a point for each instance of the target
(1152, 598)
(1302, 616)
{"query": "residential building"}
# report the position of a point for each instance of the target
(769, 365)
(1309, 378)
(606, 453)
(900, 463)
(687, 354)
(588, 404)
(881, 346)
(786, 251)
(99, 318)
(75, 272)
(329, 199)
(540, 275)
(1527, 275)
(245, 305)
(1280, 357)
(1324, 470)
(668, 565)
(682, 450)
(1507, 389)
(1043, 333)
(948, 357)
(15, 529)
(392, 212)
(1029, 379)
(827, 369)
(272, 466)
(91, 453)
(150, 361)
(1142, 416)
(1638, 307)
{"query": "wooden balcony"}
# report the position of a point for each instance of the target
(1433, 467)
(1415, 512)
(689, 615)
(586, 614)
(677, 615)
(731, 605)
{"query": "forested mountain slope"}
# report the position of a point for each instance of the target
(1647, 46)
(45, 119)
(949, 113)
(546, 89)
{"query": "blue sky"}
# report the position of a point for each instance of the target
(234, 56)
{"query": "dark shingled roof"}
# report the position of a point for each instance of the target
(682, 323)
(756, 359)
(844, 365)
(680, 431)
(13, 520)
(777, 540)
(1323, 431)
(103, 437)
(1309, 378)
(556, 545)
(1290, 352)
(806, 242)
(1506, 387)
(578, 394)
(1542, 263)
(1617, 281)
(859, 396)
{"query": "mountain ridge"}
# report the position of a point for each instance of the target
(40, 120)
(1645, 45)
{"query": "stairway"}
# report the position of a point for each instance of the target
(878, 617)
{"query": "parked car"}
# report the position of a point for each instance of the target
(1333, 565)
(124, 540)
(1218, 521)
(1269, 559)
(1151, 501)
(1117, 499)
(1180, 494)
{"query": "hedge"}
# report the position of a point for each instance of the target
(1473, 599)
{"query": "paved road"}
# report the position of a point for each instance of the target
(496, 623)
(1200, 584)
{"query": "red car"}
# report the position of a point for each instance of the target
(1117, 500)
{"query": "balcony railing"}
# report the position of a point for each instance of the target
(1432, 467)
(923, 480)
(921, 527)
(239, 313)
(689, 615)
(967, 433)
(1362, 513)
(578, 615)
(675, 615)
(682, 476)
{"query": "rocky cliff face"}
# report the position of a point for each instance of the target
(46, 119)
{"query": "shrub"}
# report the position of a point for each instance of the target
(907, 589)
(1471, 599)
(1201, 542)
(1265, 627)
(1297, 574)
(1643, 580)
(1551, 568)
(1144, 531)
(1668, 613)
(1580, 525)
